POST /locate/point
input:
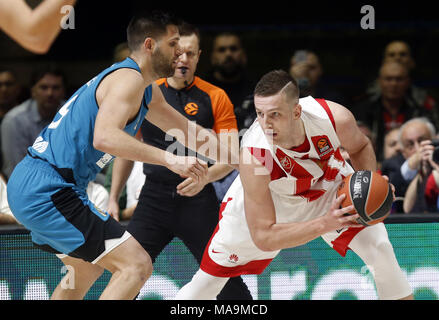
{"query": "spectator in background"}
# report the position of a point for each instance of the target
(392, 107)
(423, 191)
(9, 92)
(6, 216)
(367, 132)
(134, 185)
(22, 125)
(121, 51)
(229, 63)
(306, 68)
(391, 143)
(404, 166)
(399, 51)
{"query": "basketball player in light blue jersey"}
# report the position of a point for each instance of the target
(46, 191)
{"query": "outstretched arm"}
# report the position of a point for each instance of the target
(34, 29)
(119, 96)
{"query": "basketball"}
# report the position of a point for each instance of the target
(370, 194)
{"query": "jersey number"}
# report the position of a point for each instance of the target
(63, 111)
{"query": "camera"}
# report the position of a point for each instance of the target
(435, 144)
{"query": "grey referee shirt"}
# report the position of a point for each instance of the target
(19, 129)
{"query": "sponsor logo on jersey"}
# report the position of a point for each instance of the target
(40, 145)
(233, 258)
(323, 146)
(106, 158)
(103, 213)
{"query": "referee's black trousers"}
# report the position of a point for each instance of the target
(162, 214)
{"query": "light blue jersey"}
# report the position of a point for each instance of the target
(67, 142)
(47, 189)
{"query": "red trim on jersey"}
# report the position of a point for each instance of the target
(338, 156)
(304, 147)
(325, 106)
(312, 195)
(341, 244)
(304, 178)
(330, 173)
(211, 267)
(265, 158)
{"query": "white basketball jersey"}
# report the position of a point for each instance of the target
(301, 178)
(303, 185)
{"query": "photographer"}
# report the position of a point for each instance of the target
(423, 190)
(404, 166)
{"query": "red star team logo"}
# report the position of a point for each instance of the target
(286, 163)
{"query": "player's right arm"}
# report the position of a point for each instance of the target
(34, 29)
(119, 97)
(267, 234)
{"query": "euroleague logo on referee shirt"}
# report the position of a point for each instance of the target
(191, 108)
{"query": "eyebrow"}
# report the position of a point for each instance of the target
(269, 110)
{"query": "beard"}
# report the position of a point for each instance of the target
(161, 65)
(230, 68)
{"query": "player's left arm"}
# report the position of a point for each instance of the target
(358, 145)
(193, 136)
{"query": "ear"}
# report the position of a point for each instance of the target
(149, 44)
(297, 111)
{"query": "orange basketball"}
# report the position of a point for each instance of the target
(370, 194)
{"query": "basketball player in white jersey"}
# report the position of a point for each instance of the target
(285, 196)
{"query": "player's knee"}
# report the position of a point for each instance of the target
(140, 266)
(385, 251)
(381, 255)
(141, 269)
(144, 265)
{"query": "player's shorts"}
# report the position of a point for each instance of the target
(231, 251)
(59, 215)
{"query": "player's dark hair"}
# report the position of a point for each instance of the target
(274, 81)
(148, 25)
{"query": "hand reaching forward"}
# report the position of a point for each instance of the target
(189, 167)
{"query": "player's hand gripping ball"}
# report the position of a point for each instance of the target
(370, 194)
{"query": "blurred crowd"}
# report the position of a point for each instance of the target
(399, 117)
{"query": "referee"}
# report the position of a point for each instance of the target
(170, 206)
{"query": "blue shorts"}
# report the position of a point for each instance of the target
(58, 214)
